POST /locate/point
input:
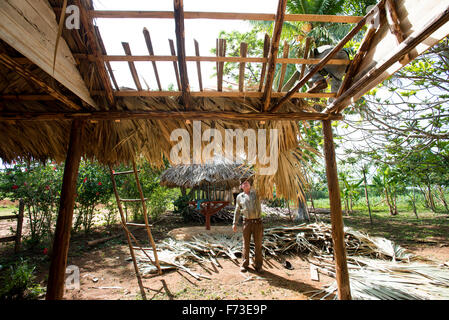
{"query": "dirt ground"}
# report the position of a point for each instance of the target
(105, 273)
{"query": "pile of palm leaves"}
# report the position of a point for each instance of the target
(378, 268)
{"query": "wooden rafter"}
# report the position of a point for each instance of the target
(20, 70)
(180, 41)
(222, 15)
(175, 62)
(274, 48)
(164, 115)
(395, 25)
(284, 66)
(405, 47)
(243, 52)
(87, 22)
(103, 51)
(132, 67)
(329, 56)
(266, 51)
(149, 44)
(139, 58)
(198, 65)
(229, 94)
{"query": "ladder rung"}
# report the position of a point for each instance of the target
(124, 172)
(142, 225)
(132, 200)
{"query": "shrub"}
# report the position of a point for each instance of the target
(19, 283)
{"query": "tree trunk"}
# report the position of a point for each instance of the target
(366, 197)
(443, 199)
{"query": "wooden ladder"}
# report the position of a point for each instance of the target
(126, 224)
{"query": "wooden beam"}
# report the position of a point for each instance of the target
(56, 275)
(395, 25)
(369, 80)
(138, 58)
(221, 51)
(12, 65)
(355, 64)
(87, 23)
(28, 97)
(30, 27)
(306, 56)
(331, 54)
(180, 41)
(198, 65)
(222, 94)
(266, 52)
(243, 52)
(175, 62)
(132, 67)
(338, 234)
(147, 37)
(166, 115)
(108, 14)
(274, 48)
(284, 66)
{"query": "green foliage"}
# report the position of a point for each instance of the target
(38, 185)
(19, 282)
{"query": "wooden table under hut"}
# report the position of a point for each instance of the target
(212, 186)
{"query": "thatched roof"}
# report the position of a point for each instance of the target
(218, 173)
(113, 142)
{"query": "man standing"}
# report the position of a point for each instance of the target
(248, 205)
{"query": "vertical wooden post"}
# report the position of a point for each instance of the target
(341, 267)
(19, 226)
(56, 276)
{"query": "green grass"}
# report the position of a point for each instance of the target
(402, 228)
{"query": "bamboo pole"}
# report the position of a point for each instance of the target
(60, 249)
(341, 267)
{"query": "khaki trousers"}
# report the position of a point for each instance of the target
(252, 227)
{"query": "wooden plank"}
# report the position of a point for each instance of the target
(243, 52)
(149, 44)
(12, 65)
(284, 66)
(338, 234)
(198, 64)
(32, 32)
(221, 53)
(12, 216)
(274, 48)
(306, 56)
(266, 52)
(437, 25)
(132, 67)
(56, 275)
(332, 53)
(180, 42)
(135, 58)
(167, 115)
(175, 62)
(88, 26)
(108, 14)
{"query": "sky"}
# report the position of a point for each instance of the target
(205, 31)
